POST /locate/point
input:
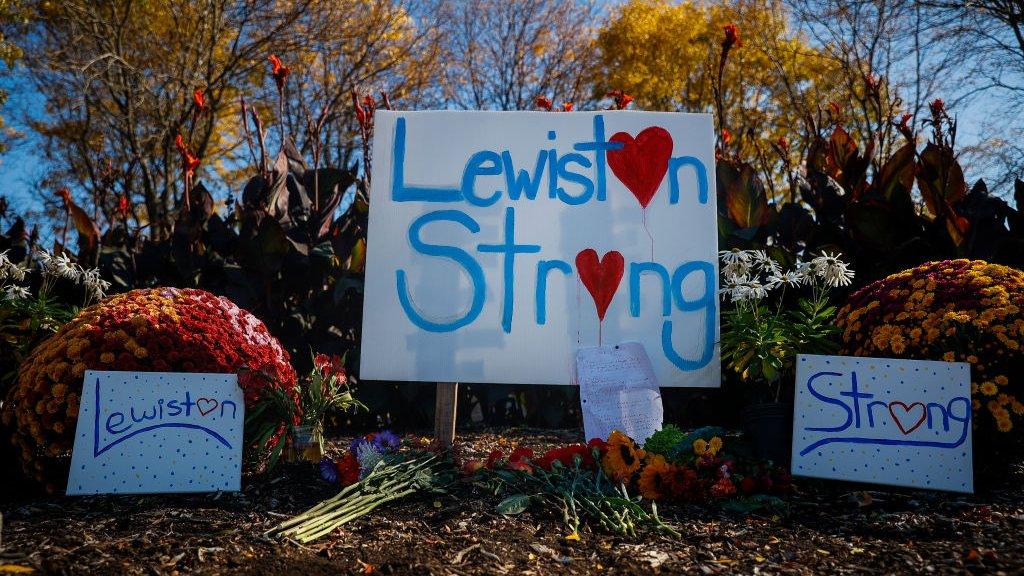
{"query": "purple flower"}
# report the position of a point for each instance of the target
(386, 440)
(328, 471)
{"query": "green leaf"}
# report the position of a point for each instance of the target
(514, 504)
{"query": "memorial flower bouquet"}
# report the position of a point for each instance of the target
(777, 312)
(376, 469)
(569, 480)
(325, 390)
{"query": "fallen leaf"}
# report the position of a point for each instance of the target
(574, 537)
(15, 569)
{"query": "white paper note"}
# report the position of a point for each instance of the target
(618, 391)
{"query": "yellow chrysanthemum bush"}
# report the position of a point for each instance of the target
(160, 330)
(953, 310)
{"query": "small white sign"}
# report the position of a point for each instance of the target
(618, 391)
(884, 421)
(500, 243)
(152, 432)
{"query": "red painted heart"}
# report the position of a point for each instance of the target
(641, 163)
(906, 412)
(209, 402)
(600, 277)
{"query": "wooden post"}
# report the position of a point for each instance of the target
(444, 412)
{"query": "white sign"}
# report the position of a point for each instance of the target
(149, 432)
(500, 243)
(884, 421)
(618, 391)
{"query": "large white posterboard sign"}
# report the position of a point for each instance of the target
(884, 421)
(150, 432)
(500, 243)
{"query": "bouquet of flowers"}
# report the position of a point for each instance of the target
(375, 470)
(325, 390)
(569, 479)
(761, 336)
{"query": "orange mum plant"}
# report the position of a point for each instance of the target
(954, 310)
(159, 329)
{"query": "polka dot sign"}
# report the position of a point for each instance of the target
(884, 421)
(156, 432)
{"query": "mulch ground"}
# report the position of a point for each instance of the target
(825, 528)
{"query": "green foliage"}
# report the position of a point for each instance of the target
(664, 440)
(914, 207)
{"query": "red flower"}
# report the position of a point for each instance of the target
(199, 100)
(492, 458)
(748, 485)
(520, 466)
(348, 469)
(938, 106)
(726, 136)
(122, 205)
(567, 106)
(620, 98)
(723, 488)
(543, 102)
(783, 144)
(472, 467)
(520, 455)
(364, 109)
(280, 71)
(189, 162)
(732, 36)
(329, 366)
(65, 195)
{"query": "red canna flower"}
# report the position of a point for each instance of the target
(783, 144)
(726, 136)
(567, 106)
(199, 100)
(122, 205)
(732, 36)
(543, 102)
(620, 98)
(938, 107)
(279, 70)
(905, 122)
(189, 162)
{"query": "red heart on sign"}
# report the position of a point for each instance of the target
(600, 277)
(906, 412)
(641, 163)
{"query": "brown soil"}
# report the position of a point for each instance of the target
(827, 528)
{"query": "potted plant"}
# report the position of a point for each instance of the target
(325, 390)
(777, 312)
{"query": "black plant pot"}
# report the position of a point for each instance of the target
(769, 428)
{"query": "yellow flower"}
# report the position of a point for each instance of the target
(1004, 425)
(972, 359)
(949, 357)
(622, 458)
(715, 445)
(655, 479)
(1001, 380)
(700, 446)
(989, 388)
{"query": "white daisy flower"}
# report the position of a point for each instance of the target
(833, 271)
(790, 279)
(15, 292)
(734, 255)
(736, 272)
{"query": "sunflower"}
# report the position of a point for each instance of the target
(623, 457)
(656, 479)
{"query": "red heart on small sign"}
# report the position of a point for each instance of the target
(906, 412)
(210, 403)
(601, 277)
(641, 163)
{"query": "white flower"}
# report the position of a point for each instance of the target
(15, 292)
(59, 266)
(789, 279)
(736, 272)
(734, 255)
(96, 287)
(766, 263)
(833, 271)
(748, 290)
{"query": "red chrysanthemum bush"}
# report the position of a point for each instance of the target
(954, 310)
(158, 330)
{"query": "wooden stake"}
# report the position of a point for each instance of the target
(444, 412)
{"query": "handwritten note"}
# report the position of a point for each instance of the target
(151, 432)
(882, 420)
(618, 391)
